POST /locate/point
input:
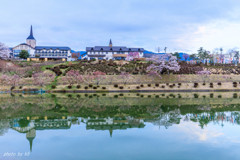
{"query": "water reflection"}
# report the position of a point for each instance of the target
(30, 114)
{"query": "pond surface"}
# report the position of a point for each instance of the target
(90, 126)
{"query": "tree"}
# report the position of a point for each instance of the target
(125, 76)
(23, 54)
(176, 54)
(4, 51)
(203, 54)
(73, 77)
(99, 76)
(185, 56)
(163, 62)
(42, 78)
(236, 56)
(132, 55)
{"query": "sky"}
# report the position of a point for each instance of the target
(179, 25)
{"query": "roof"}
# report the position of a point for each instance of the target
(115, 48)
(52, 47)
(31, 34)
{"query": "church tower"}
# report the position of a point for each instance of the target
(31, 40)
(30, 136)
(110, 43)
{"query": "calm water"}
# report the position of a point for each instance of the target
(120, 126)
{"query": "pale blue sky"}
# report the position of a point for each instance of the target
(181, 25)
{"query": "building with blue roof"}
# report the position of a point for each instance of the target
(42, 53)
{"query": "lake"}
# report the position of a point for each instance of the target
(120, 126)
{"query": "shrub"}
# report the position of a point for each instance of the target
(53, 86)
(121, 94)
(78, 86)
(121, 87)
(137, 87)
(94, 87)
(235, 95)
(86, 95)
(179, 84)
(116, 85)
(195, 95)
(204, 84)
(149, 96)
(69, 96)
(211, 95)
(195, 85)
(141, 85)
(115, 96)
(156, 85)
(20, 87)
(69, 87)
(211, 85)
(104, 95)
(157, 96)
(90, 85)
(163, 86)
(220, 96)
(86, 87)
(219, 83)
(103, 87)
(149, 85)
(234, 83)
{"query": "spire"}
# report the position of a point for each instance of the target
(31, 34)
(110, 43)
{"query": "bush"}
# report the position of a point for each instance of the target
(163, 86)
(104, 88)
(235, 95)
(179, 84)
(115, 96)
(116, 85)
(204, 84)
(141, 85)
(195, 95)
(195, 85)
(94, 87)
(78, 86)
(211, 95)
(86, 87)
(149, 85)
(156, 85)
(121, 87)
(90, 85)
(53, 86)
(121, 94)
(137, 87)
(219, 83)
(20, 87)
(69, 87)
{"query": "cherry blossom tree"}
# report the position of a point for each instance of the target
(132, 55)
(73, 77)
(163, 62)
(42, 78)
(99, 76)
(4, 51)
(204, 75)
(125, 76)
(10, 80)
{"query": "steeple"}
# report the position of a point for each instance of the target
(31, 34)
(31, 40)
(110, 43)
(30, 136)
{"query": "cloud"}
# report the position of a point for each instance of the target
(177, 24)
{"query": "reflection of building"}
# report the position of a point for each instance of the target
(113, 124)
(31, 126)
(113, 52)
(45, 53)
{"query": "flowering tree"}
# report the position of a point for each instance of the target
(73, 77)
(163, 62)
(125, 76)
(4, 51)
(42, 78)
(98, 76)
(10, 80)
(204, 74)
(132, 55)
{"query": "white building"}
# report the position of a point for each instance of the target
(113, 52)
(45, 53)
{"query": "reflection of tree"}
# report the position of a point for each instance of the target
(4, 126)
